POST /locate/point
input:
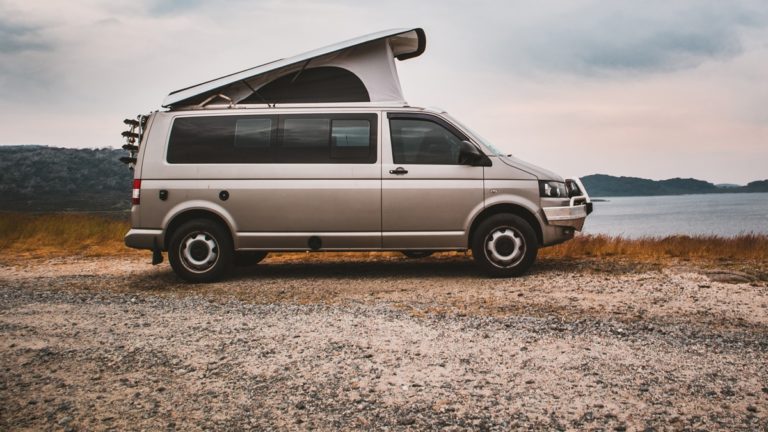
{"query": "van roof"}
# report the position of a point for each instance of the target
(316, 107)
(354, 71)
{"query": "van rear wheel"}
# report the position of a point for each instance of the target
(504, 245)
(200, 251)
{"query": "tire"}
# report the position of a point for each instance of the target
(201, 251)
(416, 254)
(504, 245)
(249, 258)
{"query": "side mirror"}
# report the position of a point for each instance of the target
(470, 155)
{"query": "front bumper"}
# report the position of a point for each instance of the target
(574, 214)
(143, 238)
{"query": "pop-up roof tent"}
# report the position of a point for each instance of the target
(358, 70)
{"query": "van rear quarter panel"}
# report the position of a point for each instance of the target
(144, 145)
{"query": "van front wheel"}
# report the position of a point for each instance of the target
(504, 245)
(200, 251)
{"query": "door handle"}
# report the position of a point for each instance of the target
(399, 171)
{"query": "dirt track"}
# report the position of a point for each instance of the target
(340, 343)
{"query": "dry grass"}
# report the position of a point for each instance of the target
(40, 235)
(55, 234)
(749, 247)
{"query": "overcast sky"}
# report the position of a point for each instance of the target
(656, 89)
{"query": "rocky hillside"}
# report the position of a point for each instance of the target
(39, 178)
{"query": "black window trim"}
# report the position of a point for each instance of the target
(276, 136)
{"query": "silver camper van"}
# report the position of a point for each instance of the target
(320, 152)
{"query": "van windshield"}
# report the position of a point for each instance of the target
(487, 144)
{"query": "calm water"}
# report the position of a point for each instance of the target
(721, 214)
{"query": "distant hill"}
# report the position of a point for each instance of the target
(755, 186)
(601, 185)
(39, 178)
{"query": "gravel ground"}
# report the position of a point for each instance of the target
(379, 342)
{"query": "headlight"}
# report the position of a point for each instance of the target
(573, 188)
(552, 189)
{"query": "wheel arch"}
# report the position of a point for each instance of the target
(189, 214)
(509, 208)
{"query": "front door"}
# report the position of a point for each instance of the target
(427, 195)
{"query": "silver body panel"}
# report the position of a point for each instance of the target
(348, 206)
(430, 206)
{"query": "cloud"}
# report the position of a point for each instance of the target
(170, 7)
(618, 38)
(23, 50)
(17, 37)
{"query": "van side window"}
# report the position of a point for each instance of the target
(327, 138)
(306, 133)
(221, 139)
(350, 139)
(288, 138)
(253, 132)
(417, 141)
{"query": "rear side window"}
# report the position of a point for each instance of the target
(294, 138)
(419, 141)
(222, 139)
